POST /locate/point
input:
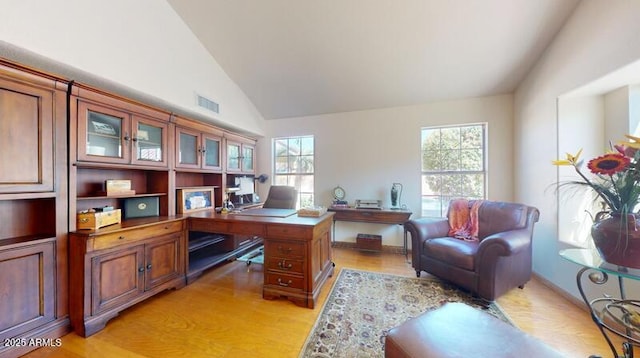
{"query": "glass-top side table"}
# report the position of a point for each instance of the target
(617, 315)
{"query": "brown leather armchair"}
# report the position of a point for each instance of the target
(499, 261)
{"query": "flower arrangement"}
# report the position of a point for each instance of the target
(617, 175)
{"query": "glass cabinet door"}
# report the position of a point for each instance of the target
(211, 153)
(233, 157)
(188, 148)
(247, 159)
(102, 134)
(149, 142)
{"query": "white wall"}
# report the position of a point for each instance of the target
(142, 45)
(634, 110)
(366, 151)
(581, 126)
(600, 37)
(616, 114)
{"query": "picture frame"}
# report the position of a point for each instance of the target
(189, 200)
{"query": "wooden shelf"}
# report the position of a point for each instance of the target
(21, 196)
(203, 259)
(101, 197)
(204, 241)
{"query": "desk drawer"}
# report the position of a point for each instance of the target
(284, 281)
(126, 236)
(284, 249)
(209, 226)
(285, 265)
(288, 231)
(247, 228)
(374, 216)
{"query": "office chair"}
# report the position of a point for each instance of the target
(281, 197)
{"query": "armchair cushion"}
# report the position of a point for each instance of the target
(460, 253)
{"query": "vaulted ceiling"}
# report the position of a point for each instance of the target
(301, 57)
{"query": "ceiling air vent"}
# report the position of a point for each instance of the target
(206, 103)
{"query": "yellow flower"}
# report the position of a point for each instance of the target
(571, 159)
(633, 143)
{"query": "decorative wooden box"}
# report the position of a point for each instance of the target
(96, 220)
(369, 242)
(118, 187)
(314, 212)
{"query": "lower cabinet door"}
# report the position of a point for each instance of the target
(116, 278)
(26, 288)
(163, 260)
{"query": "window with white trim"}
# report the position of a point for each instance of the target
(453, 166)
(293, 159)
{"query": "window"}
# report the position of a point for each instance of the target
(453, 166)
(294, 166)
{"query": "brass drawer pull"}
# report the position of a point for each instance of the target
(283, 265)
(121, 238)
(284, 284)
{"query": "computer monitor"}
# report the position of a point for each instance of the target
(246, 185)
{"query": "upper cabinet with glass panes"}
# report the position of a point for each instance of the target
(110, 135)
(198, 150)
(240, 156)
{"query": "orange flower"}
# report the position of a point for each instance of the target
(609, 164)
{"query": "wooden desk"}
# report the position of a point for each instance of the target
(297, 250)
(375, 216)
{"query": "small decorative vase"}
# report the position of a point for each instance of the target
(617, 239)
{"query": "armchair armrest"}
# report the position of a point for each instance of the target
(505, 243)
(427, 228)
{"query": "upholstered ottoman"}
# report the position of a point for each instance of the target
(458, 330)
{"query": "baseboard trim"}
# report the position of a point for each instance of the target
(559, 290)
(354, 246)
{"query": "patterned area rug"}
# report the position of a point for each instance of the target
(362, 306)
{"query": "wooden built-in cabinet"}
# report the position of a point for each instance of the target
(199, 155)
(120, 265)
(33, 208)
(26, 132)
(240, 155)
(198, 150)
(27, 271)
(112, 132)
(114, 138)
(59, 142)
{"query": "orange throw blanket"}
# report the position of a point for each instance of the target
(463, 220)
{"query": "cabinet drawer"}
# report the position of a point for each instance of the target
(284, 249)
(122, 237)
(284, 281)
(285, 265)
(247, 228)
(209, 226)
(288, 231)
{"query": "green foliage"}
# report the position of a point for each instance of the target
(453, 161)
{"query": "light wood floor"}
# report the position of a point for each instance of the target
(222, 314)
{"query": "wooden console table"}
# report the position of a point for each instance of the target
(297, 250)
(375, 216)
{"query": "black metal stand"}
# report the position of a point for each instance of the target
(607, 308)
